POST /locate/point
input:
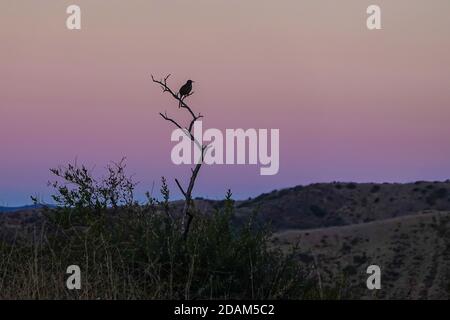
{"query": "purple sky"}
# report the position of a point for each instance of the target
(351, 104)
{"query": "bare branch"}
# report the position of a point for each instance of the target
(188, 203)
(180, 187)
(182, 104)
(165, 117)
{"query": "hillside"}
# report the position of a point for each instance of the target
(412, 251)
(21, 208)
(344, 227)
(338, 204)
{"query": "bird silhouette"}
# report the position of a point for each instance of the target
(185, 90)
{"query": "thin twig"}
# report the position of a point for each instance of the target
(187, 212)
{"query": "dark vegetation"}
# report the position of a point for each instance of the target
(128, 250)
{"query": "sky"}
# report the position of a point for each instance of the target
(351, 104)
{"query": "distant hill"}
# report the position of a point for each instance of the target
(339, 204)
(22, 208)
(323, 205)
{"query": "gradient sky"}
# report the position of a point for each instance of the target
(351, 104)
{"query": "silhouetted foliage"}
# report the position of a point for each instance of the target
(131, 250)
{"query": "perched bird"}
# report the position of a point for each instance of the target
(185, 90)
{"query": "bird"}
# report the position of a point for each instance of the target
(185, 90)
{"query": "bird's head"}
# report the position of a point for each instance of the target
(190, 81)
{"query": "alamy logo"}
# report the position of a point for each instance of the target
(229, 148)
(73, 22)
(74, 280)
(374, 20)
(374, 280)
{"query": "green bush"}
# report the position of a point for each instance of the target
(128, 250)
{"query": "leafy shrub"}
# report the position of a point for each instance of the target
(128, 250)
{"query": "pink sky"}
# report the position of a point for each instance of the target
(351, 104)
